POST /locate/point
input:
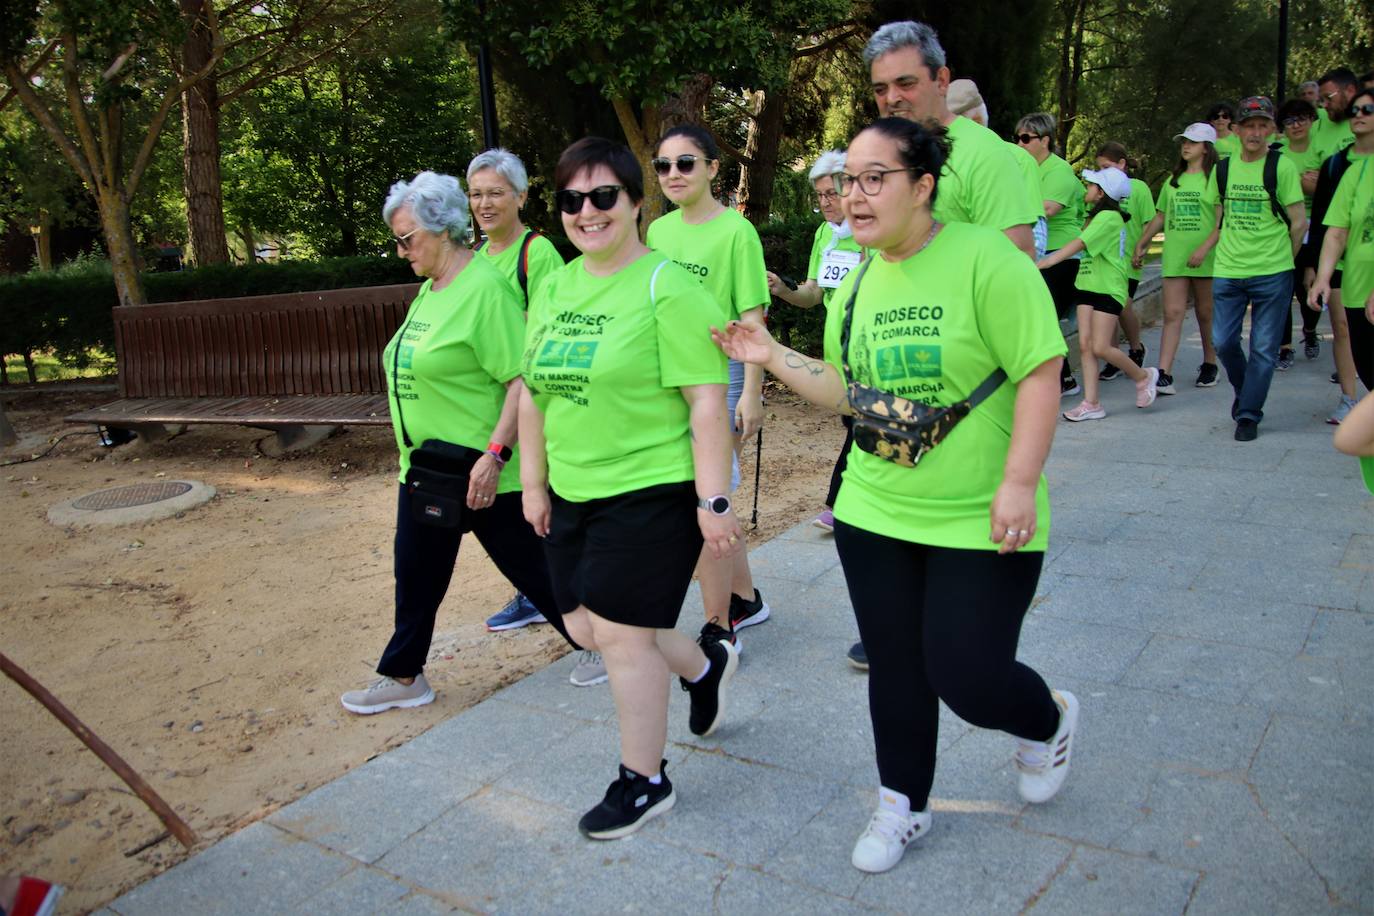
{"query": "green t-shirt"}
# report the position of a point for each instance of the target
(981, 183)
(1367, 471)
(1310, 160)
(457, 350)
(1227, 146)
(604, 359)
(544, 259)
(1352, 209)
(724, 253)
(1254, 242)
(823, 259)
(1141, 206)
(1030, 177)
(1105, 256)
(1059, 183)
(932, 328)
(1332, 136)
(1187, 223)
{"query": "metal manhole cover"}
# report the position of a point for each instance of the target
(139, 494)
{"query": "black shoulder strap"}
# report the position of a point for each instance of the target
(522, 266)
(1223, 170)
(1271, 184)
(480, 245)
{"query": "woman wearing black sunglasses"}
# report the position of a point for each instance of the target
(453, 374)
(722, 250)
(942, 558)
(626, 462)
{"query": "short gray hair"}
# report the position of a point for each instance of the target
(436, 201)
(504, 163)
(907, 34)
(1310, 84)
(1040, 123)
(827, 164)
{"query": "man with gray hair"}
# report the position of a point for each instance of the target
(980, 183)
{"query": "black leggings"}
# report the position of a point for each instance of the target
(837, 475)
(424, 558)
(940, 623)
(1361, 345)
(1310, 316)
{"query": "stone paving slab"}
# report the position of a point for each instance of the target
(1210, 602)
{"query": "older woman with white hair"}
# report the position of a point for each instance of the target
(453, 377)
(498, 188)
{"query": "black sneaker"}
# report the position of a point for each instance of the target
(857, 656)
(1285, 362)
(745, 613)
(1311, 345)
(630, 801)
(1068, 387)
(1138, 356)
(712, 633)
(1335, 378)
(1206, 376)
(708, 694)
(1166, 383)
(1108, 373)
(1246, 430)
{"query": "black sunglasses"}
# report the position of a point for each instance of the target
(685, 164)
(1026, 138)
(603, 198)
(1366, 109)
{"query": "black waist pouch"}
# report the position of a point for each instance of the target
(438, 482)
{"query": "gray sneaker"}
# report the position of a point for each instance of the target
(387, 693)
(1342, 410)
(589, 671)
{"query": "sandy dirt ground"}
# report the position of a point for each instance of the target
(209, 650)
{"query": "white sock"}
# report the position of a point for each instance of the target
(704, 672)
(894, 801)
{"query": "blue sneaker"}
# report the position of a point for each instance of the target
(518, 613)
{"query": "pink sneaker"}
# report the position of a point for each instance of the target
(1147, 388)
(825, 521)
(1085, 411)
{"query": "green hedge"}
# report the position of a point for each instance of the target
(68, 310)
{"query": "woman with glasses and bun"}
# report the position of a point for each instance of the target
(453, 375)
(941, 558)
(626, 464)
(721, 248)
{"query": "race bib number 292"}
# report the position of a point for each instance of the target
(835, 266)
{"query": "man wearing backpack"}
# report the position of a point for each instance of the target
(1260, 224)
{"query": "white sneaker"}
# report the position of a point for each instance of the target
(892, 828)
(386, 693)
(1045, 764)
(589, 671)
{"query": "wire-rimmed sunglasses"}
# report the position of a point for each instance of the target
(403, 241)
(685, 164)
(602, 197)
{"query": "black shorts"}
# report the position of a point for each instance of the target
(628, 558)
(1335, 279)
(1060, 279)
(1100, 302)
(1131, 287)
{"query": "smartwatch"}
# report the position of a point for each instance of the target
(502, 453)
(716, 505)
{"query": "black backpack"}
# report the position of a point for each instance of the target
(522, 266)
(1271, 183)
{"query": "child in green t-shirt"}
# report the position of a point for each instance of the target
(1102, 290)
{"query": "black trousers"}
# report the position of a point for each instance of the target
(1310, 316)
(940, 623)
(424, 558)
(1362, 345)
(841, 462)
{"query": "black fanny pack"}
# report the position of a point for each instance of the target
(895, 428)
(437, 482)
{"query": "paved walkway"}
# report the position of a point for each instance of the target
(1211, 603)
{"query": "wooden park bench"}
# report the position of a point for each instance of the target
(300, 364)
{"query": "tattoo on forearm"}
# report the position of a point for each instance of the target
(794, 360)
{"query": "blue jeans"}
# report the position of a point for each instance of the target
(1268, 297)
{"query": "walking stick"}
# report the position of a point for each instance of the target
(175, 824)
(758, 466)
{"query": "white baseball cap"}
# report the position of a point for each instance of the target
(1198, 132)
(1111, 180)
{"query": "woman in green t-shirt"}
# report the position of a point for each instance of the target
(941, 559)
(625, 465)
(453, 375)
(722, 250)
(1222, 117)
(1186, 224)
(498, 187)
(1102, 291)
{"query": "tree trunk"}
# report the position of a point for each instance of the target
(119, 238)
(31, 367)
(1070, 68)
(250, 242)
(200, 144)
(640, 134)
(7, 435)
(761, 148)
(43, 240)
